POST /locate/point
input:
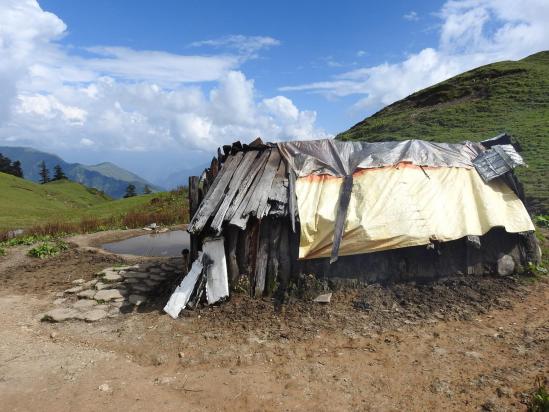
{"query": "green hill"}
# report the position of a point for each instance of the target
(508, 96)
(106, 177)
(25, 203)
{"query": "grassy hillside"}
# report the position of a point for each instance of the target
(509, 96)
(106, 177)
(25, 204)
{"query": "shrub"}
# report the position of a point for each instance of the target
(2, 251)
(47, 249)
(539, 402)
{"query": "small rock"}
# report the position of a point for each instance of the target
(506, 265)
(325, 298)
(85, 303)
(440, 351)
(160, 360)
(90, 283)
(93, 315)
(87, 294)
(104, 388)
(181, 354)
(474, 355)
(53, 335)
(78, 281)
(151, 283)
(59, 315)
(108, 294)
(59, 301)
(155, 270)
(142, 288)
(111, 277)
(157, 277)
(166, 380)
(75, 289)
(136, 275)
(504, 392)
(137, 299)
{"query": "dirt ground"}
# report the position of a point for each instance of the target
(457, 344)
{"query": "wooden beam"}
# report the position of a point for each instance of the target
(214, 196)
(262, 257)
(258, 201)
(234, 186)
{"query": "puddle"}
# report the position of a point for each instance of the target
(161, 244)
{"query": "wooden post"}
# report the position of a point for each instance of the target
(193, 206)
(231, 247)
(262, 257)
(274, 259)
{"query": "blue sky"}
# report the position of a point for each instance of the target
(156, 86)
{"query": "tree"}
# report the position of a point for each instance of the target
(44, 173)
(130, 191)
(16, 169)
(58, 173)
(5, 164)
(147, 190)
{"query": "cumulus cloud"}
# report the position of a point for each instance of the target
(472, 33)
(411, 16)
(246, 45)
(116, 98)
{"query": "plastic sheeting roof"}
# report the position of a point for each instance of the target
(339, 158)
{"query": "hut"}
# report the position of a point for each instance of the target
(365, 212)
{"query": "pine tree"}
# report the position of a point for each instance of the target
(44, 173)
(130, 191)
(58, 173)
(147, 190)
(16, 169)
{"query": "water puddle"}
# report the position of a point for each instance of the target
(161, 244)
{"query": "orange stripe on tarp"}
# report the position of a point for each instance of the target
(359, 172)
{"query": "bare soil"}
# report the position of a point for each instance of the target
(457, 344)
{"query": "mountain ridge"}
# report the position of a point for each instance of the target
(106, 176)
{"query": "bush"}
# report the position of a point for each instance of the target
(2, 251)
(539, 402)
(48, 249)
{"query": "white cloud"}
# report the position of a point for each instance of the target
(245, 45)
(411, 16)
(115, 98)
(472, 33)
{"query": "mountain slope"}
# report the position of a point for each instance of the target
(106, 177)
(25, 203)
(509, 96)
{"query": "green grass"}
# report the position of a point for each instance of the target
(25, 204)
(508, 96)
(48, 249)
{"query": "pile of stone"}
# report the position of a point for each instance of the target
(113, 291)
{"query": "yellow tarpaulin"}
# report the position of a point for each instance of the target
(394, 207)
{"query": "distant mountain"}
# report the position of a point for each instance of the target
(106, 177)
(181, 177)
(508, 96)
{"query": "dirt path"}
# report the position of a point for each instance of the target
(368, 350)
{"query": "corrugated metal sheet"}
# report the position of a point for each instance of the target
(497, 161)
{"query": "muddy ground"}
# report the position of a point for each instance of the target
(458, 344)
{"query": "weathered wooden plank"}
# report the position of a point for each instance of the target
(194, 202)
(246, 183)
(240, 218)
(252, 243)
(273, 262)
(291, 199)
(234, 186)
(215, 194)
(278, 196)
(231, 234)
(284, 263)
(236, 147)
(343, 205)
(258, 202)
(214, 167)
(262, 257)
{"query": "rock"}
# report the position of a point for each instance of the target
(506, 265)
(86, 294)
(504, 392)
(59, 301)
(111, 277)
(108, 294)
(440, 351)
(157, 277)
(151, 283)
(60, 315)
(160, 360)
(137, 299)
(75, 289)
(474, 355)
(155, 270)
(142, 288)
(136, 275)
(166, 380)
(181, 355)
(104, 388)
(325, 298)
(93, 315)
(131, 281)
(78, 281)
(101, 286)
(124, 268)
(90, 283)
(53, 335)
(85, 303)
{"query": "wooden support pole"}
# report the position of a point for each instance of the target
(231, 250)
